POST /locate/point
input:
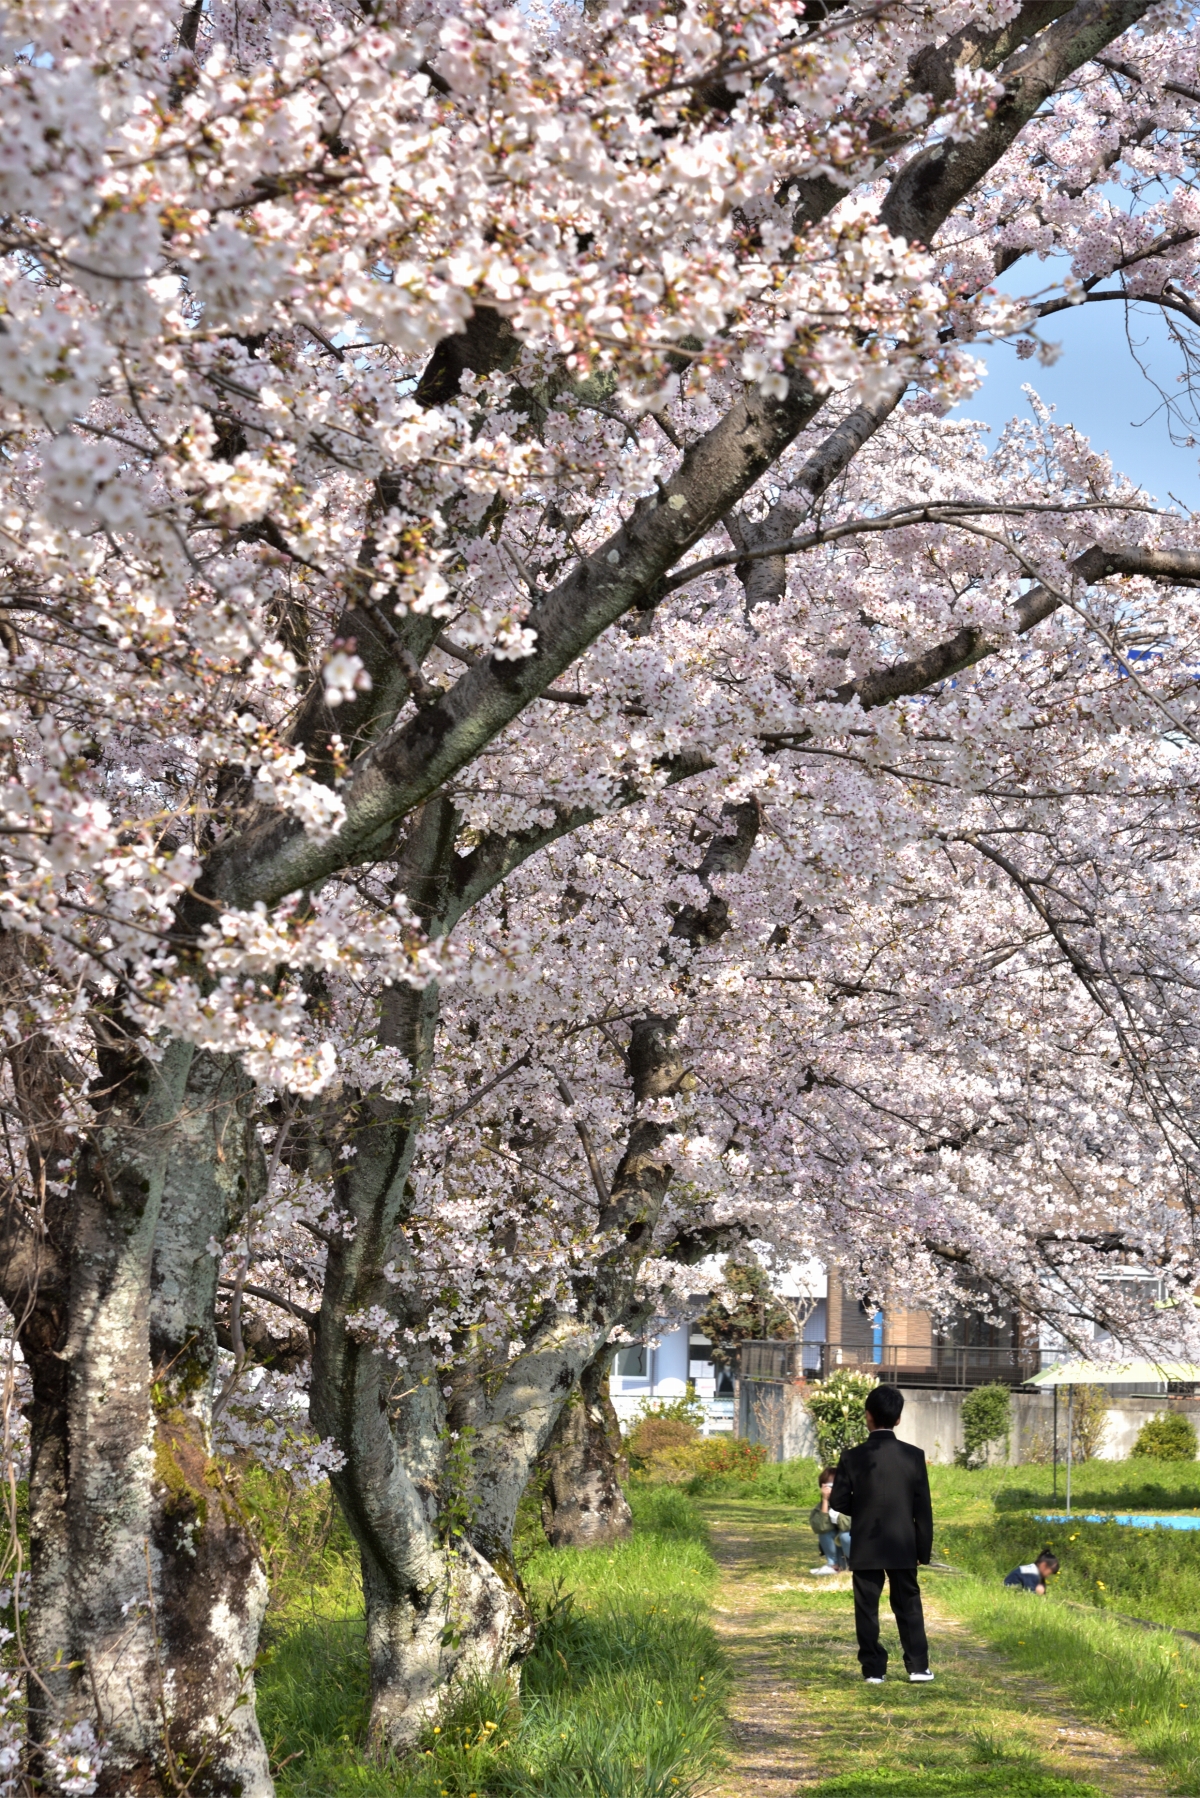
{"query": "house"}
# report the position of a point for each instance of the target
(910, 1348)
(676, 1358)
(668, 1365)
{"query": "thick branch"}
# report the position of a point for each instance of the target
(971, 644)
(276, 857)
(929, 187)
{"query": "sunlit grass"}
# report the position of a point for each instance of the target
(1143, 1684)
(964, 1495)
(623, 1696)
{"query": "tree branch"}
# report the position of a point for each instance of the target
(309, 1319)
(585, 1137)
(276, 857)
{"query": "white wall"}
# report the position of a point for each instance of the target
(932, 1420)
(671, 1364)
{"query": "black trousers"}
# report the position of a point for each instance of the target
(905, 1596)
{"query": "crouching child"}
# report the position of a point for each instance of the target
(1033, 1575)
(830, 1528)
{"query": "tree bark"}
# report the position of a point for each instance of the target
(442, 1605)
(583, 1505)
(147, 1591)
(214, 1586)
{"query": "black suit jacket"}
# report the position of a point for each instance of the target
(884, 1486)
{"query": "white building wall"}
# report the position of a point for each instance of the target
(666, 1378)
(671, 1365)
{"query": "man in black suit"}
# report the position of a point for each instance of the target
(884, 1486)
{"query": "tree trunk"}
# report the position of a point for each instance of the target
(435, 1466)
(583, 1505)
(439, 1611)
(214, 1586)
(147, 1593)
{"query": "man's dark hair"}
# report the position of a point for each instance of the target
(826, 1474)
(885, 1405)
(1048, 1561)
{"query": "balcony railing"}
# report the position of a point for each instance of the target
(938, 1364)
(774, 1360)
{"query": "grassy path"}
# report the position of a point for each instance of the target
(804, 1721)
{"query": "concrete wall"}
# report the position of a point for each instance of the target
(933, 1421)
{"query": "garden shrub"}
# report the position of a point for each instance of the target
(986, 1417)
(836, 1408)
(1168, 1437)
(711, 1457)
(664, 1424)
(1089, 1418)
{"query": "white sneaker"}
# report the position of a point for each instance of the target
(920, 1679)
(874, 1680)
(823, 1568)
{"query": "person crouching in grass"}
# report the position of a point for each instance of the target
(1034, 1575)
(829, 1527)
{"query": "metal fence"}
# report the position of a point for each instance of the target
(773, 1360)
(939, 1364)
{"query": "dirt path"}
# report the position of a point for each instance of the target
(801, 1712)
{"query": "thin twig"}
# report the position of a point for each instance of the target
(482, 1091)
(585, 1137)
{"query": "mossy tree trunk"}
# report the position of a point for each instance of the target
(147, 1592)
(583, 1505)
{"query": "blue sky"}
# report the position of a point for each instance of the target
(1097, 386)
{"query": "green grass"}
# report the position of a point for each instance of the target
(623, 1696)
(964, 1495)
(1013, 1782)
(1142, 1684)
(1151, 1574)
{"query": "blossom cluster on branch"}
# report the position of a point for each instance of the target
(533, 751)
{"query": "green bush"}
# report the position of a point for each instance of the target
(986, 1416)
(1168, 1437)
(671, 1425)
(836, 1408)
(720, 1457)
(707, 1458)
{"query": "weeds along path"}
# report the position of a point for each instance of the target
(804, 1721)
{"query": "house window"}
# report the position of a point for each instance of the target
(630, 1363)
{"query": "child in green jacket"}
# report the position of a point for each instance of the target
(830, 1528)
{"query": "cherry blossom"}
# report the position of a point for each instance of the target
(535, 751)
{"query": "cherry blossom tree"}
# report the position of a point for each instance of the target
(366, 376)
